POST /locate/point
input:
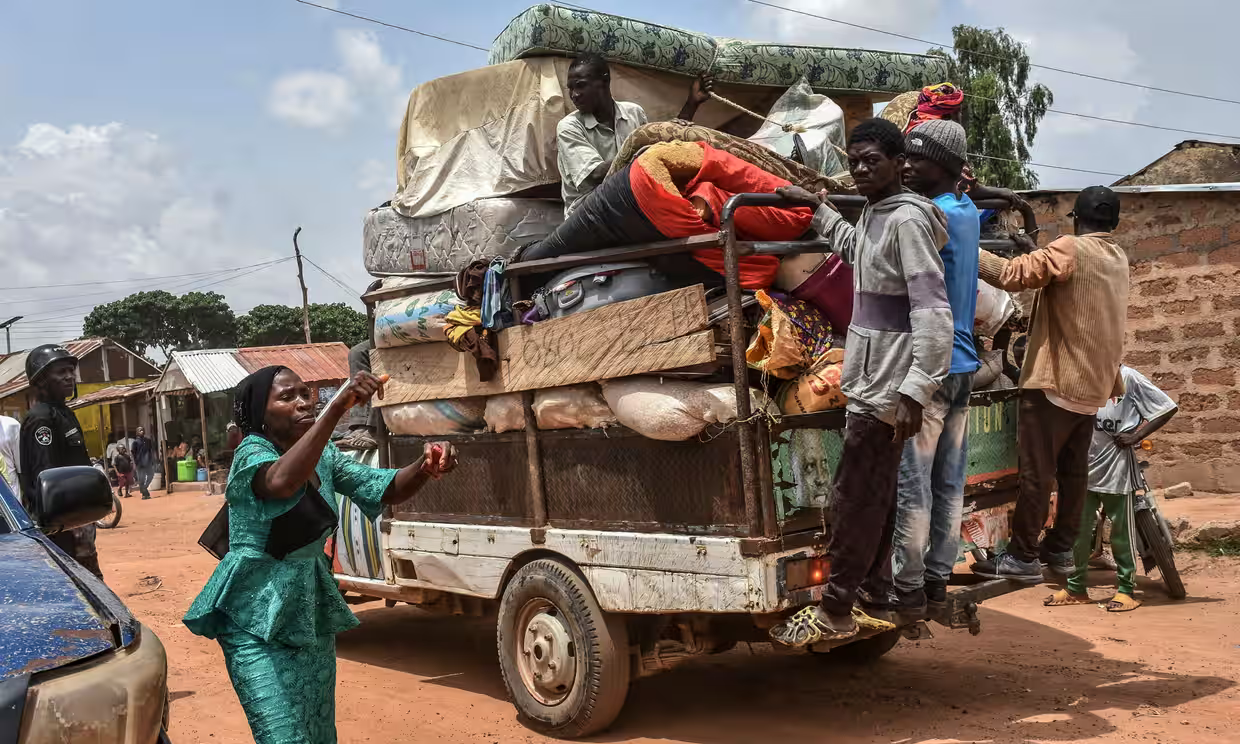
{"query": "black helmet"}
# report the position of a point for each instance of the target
(42, 357)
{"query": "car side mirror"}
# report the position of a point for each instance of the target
(70, 497)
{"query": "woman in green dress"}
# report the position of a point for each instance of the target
(272, 603)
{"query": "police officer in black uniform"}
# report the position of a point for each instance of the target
(52, 438)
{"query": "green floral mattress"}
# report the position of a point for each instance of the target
(546, 29)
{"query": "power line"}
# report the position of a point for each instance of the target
(141, 278)
(393, 25)
(197, 276)
(186, 286)
(1044, 165)
(337, 282)
(1128, 83)
(1116, 121)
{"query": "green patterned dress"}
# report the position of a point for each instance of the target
(277, 620)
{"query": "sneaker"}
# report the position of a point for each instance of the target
(908, 603)
(878, 601)
(358, 439)
(1061, 564)
(936, 592)
(1005, 566)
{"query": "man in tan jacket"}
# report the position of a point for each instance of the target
(1071, 369)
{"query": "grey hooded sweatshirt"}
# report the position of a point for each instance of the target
(900, 339)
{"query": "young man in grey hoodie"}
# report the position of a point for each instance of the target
(897, 355)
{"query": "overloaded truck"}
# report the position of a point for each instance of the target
(632, 489)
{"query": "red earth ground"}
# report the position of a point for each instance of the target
(1165, 673)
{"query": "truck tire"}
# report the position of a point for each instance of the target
(1159, 543)
(565, 663)
(864, 651)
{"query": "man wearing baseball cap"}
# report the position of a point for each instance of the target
(52, 438)
(930, 495)
(1071, 369)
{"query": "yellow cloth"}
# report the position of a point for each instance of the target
(460, 320)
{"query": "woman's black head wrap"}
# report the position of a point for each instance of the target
(250, 399)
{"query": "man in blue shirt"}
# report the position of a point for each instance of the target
(932, 467)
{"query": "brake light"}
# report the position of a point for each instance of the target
(806, 572)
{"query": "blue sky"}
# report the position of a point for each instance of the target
(145, 139)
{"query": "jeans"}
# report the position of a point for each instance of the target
(930, 496)
(862, 513)
(145, 474)
(1054, 450)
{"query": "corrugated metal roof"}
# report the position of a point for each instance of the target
(312, 362)
(114, 394)
(13, 367)
(208, 371)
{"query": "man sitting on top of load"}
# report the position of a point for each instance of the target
(588, 139)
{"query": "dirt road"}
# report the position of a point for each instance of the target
(1165, 673)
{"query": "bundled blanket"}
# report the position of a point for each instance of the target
(675, 190)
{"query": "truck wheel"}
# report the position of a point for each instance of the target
(565, 663)
(864, 651)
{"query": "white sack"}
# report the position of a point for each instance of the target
(671, 410)
(433, 418)
(572, 407)
(505, 413)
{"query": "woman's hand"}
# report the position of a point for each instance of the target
(359, 390)
(438, 458)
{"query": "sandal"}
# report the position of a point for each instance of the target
(1122, 603)
(870, 622)
(809, 626)
(1064, 597)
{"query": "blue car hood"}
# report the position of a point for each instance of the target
(45, 619)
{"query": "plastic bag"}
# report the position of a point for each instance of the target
(672, 410)
(432, 418)
(818, 129)
(818, 389)
(790, 337)
(572, 407)
(413, 320)
(505, 413)
(994, 307)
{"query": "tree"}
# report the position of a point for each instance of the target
(161, 320)
(274, 325)
(205, 321)
(1001, 110)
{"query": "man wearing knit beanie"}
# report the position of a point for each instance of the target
(930, 495)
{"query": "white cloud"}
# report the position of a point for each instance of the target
(377, 180)
(313, 99)
(86, 203)
(365, 82)
(363, 62)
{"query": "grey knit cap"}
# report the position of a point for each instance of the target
(940, 140)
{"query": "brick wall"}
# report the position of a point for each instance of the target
(1183, 323)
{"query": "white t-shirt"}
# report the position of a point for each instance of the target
(1110, 466)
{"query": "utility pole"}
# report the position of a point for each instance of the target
(305, 297)
(8, 342)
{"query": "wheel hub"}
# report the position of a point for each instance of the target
(547, 660)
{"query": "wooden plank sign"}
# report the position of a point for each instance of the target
(648, 334)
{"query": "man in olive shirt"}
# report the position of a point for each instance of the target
(588, 139)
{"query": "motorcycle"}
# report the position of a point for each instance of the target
(1151, 534)
(113, 519)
